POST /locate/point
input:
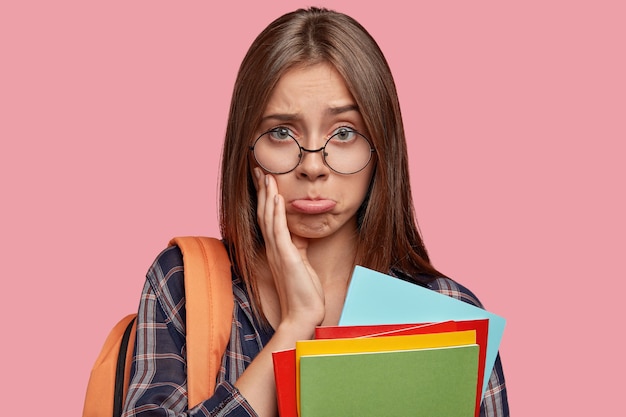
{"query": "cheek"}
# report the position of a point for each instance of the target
(363, 192)
(357, 189)
(282, 185)
(366, 179)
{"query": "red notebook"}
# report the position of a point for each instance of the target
(285, 363)
(285, 377)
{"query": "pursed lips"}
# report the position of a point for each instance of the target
(313, 205)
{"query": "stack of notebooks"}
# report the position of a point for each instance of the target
(399, 350)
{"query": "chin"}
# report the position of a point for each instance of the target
(311, 231)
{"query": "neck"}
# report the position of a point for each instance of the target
(333, 258)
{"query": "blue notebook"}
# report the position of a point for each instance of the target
(376, 298)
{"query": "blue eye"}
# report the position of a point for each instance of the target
(280, 133)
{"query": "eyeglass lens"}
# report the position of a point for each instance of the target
(346, 152)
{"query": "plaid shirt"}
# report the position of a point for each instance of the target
(158, 385)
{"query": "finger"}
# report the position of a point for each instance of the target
(260, 189)
(281, 230)
(261, 197)
(269, 209)
(281, 246)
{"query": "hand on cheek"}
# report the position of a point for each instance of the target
(298, 287)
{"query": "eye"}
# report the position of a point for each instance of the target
(280, 133)
(344, 134)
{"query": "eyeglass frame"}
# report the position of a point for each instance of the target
(324, 154)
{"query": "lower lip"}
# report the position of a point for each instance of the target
(313, 206)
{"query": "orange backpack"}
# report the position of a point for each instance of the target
(209, 301)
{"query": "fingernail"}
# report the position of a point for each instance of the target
(257, 173)
(267, 180)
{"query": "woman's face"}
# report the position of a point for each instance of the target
(311, 104)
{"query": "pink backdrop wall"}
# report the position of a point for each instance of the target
(111, 119)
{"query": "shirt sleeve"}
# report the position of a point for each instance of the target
(495, 401)
(158, 385)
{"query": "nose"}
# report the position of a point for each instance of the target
(312, 164)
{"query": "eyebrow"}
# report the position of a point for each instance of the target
(343, 109)
(287, 117)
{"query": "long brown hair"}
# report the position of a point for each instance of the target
(389, 238)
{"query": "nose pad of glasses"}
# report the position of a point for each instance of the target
(321, 151)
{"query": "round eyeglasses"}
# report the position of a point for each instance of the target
(345, 152)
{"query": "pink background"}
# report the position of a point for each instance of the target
(111, 120)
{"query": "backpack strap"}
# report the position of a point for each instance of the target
(108, 381)
(209, 304)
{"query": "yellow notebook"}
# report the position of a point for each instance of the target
(379, 344)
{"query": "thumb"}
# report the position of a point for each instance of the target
(300, 243)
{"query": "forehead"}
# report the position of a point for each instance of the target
(321, 72)
(308, 87)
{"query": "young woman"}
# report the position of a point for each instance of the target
(314, 181)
